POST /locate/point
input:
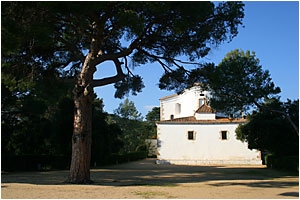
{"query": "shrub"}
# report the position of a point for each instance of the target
(119, 158)
(46, 162)
(34, 162)
(290, 163)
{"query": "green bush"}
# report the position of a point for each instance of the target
(119, 158)
(290, 163)
(34, 162)
(45, 162)
(132, 156)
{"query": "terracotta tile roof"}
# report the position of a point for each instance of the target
(205, 109)
(192, 120)
(166, 97)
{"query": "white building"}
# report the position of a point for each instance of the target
(191, 132)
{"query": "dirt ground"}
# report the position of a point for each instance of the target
(145, 179)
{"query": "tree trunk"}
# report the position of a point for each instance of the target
(82, 134)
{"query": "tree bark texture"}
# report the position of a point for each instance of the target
(82, 134)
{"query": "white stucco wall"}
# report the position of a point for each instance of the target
(207, 148)
(189, 103)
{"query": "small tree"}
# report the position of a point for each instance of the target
(132, 126)
(128, 110)
(152, 117)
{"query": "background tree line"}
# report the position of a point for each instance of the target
(39, 122)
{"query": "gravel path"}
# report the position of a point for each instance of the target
(145, 179)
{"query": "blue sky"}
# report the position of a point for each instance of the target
(271, 30)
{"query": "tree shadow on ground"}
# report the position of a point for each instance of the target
(265, 184)
(290, 194)
(147, 173)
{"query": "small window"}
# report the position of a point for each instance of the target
(172, 117)
(191, 135)
(202, 95)
(224, 135)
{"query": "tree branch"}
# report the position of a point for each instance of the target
(173, 60)
(128, 50)
(126, 66)
(75, 51)
(66, 63)
(164, 66)
(113, 79)
(157, 58)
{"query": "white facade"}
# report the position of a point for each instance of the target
(183, 105)
(174, 147)
(195, 136)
